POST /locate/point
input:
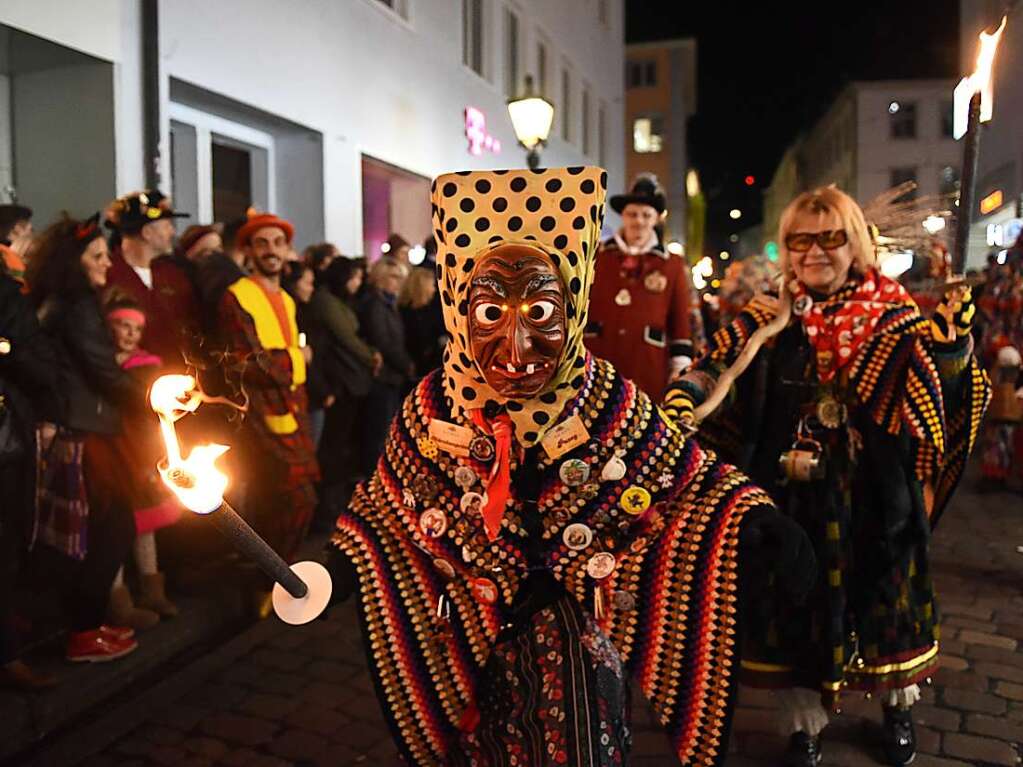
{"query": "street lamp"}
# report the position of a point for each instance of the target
(735, 214)
(531, 116)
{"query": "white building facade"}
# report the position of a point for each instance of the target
(334, 113)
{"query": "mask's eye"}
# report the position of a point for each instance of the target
(488, 314)
(540, 311)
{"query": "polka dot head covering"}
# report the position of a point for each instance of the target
(556, 210)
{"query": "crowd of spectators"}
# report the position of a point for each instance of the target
(311, 355)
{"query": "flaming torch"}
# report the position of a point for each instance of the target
(974, 104)
(301, 591)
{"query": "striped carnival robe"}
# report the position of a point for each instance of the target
(448, 665)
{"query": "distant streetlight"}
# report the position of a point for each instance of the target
(531, 116)
(416, 255)
(894, 107)
(733, 238)
(735, 213)
(724, 255)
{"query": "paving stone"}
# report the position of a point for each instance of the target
(754, 720)
(207, 747)
(167, 755)
(979, 749)
(267, 706)
(995, 727)
(953, 647)
(968, 700)
(182, 717)
(133, 746)
(331, 671)
(299, 744)
(962, 622)
(928, 741)
(987, 639)
(1009, 690)
(963, 680)
(953, 662)
(160, 734)
(217, 696)
(326, 722)
(280, 660)
(751, 696)
(323, 694)
(928, 760)
(243, 730)
(994, 654)
(939, 718)
(950, 607)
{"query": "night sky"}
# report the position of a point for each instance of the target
(767, 70)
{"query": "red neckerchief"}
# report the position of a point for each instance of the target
(499, 484)
(840, 323)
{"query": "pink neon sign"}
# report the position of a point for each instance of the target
(476, 131)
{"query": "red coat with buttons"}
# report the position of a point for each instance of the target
(639, 314)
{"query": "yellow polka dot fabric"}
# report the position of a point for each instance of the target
(557, 210)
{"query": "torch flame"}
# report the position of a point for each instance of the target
(980, 80)
(195, 480)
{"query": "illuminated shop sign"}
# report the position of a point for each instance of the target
(991, 203)
(476, 132)
(1004, 235)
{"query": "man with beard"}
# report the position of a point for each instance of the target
(161, 288)
(641, 303)
(257, 320)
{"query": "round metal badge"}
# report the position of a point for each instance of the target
(574, 472)
(802, 305)
(635, 500)
(623, 600)
(425, 488)
(433, 522)
(482, 449)
(428, 448)
(465, 477)
(623, 297)
(590, 490)
(484, 590)
(473, 503)
(601, 565)
(577, 536)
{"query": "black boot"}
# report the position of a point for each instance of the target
(803, 751)
(899, 736)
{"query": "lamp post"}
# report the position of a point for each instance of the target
(531, 117)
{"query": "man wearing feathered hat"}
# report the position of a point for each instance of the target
(143, 223)
(257, 318)
(536, 531)
(641, 301)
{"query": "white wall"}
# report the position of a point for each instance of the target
(367, 80)
(878, 152)
(373, 83)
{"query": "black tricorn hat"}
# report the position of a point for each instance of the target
(646, 190)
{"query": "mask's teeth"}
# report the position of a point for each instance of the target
(530, 369)
(511, 368)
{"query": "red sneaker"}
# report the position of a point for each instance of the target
(95, 646)
(118, 632)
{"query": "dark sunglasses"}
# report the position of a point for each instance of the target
(800, 242)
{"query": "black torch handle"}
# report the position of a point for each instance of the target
(248, 542)
(967, 186)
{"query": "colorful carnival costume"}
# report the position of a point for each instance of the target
(641, 305)
(260, 329)
(858, 420)
(517, 558)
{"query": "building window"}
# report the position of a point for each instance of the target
(947, 119)
(901, 176)
(585, 107)
(648, 134)
(566, 105)
(902, 116)
(641, 74)
(472, 35)
(400, 7)
(511, 53)
(601, 134)
(541, 68)
(948, 180)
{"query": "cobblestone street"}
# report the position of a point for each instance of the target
(280, 696)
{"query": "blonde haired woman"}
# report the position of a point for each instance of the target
(424, 323)
(856, 414)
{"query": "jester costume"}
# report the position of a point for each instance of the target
(856, 380)
(261, 333)
(501, 632)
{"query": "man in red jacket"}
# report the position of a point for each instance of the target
(142, 267)
(640, 302)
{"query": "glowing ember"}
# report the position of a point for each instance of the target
(195, 480)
